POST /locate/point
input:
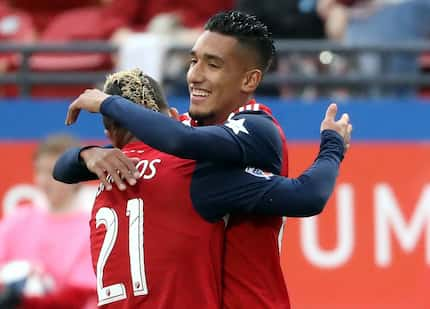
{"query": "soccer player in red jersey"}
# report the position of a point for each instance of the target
(182, 269)
(132, 259)
(227, 64)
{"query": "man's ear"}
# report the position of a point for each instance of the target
(173, 113)
(252, 80)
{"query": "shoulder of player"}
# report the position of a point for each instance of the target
(254, 117)
(139, 149)
(145, 152)
(253, 113)
(255, 121)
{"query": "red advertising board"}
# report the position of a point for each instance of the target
(369, 249)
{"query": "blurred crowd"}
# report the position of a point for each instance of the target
(144, 31)
(45, 259)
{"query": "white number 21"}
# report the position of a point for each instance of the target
(109, 218)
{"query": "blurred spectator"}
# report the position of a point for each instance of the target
(289, 19)
(51, 243)
(156, 25)
(286, 19)
(358, 22)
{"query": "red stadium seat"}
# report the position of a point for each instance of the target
(43, 11)
(15, 26)
(75, 25)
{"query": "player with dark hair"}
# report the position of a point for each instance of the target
(249, 190)
(227, 63)
(249, 32)
(223, 74)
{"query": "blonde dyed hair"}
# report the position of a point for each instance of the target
(135, 86)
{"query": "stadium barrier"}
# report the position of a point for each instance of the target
(24, 77)
(324, 74)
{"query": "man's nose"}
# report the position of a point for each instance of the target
(195, 74)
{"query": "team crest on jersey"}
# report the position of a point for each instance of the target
(258, 173)
(237, 125)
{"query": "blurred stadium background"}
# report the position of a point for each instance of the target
(371, 246)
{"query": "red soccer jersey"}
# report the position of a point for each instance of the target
(150, 248)
(252, 276)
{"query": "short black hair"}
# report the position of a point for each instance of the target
(248, 30)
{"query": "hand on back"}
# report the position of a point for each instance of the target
(103, 162)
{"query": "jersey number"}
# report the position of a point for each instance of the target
(109, 218)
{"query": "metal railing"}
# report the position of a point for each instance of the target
(25, 78)
(374, 83)
(371, 84)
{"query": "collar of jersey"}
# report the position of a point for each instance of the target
(252, 105)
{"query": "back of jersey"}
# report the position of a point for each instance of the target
(150, 248)
(252, 275)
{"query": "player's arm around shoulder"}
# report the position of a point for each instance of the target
(258, 138)
(252, 190)
(69, 168)
(92, 162)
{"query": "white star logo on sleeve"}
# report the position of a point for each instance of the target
(237, 126)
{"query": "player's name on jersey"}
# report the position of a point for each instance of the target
(147, 170)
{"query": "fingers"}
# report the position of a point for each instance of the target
(347, 138)
(131, 165)
(117, 179)
(342, 126)
(331, 112)
(90, 100)
(124, 166)
(348, 133)
(174, 113)
(109, 167)
(103, 165)
(135, 161)
(119, 167)
(329, 119)
(113, 162)
(101, 174)
(72, 113)
(96, 168)
(344, 119)
(127, 169)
